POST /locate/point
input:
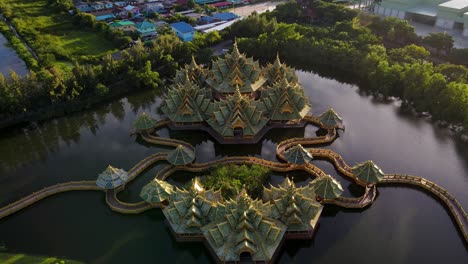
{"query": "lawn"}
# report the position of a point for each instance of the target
(26, 259)
(49, 31)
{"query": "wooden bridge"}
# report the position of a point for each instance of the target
(454, 207)
(365, 200)
(46, 192)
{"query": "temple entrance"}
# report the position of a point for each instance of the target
(245, 257)
(238, 132)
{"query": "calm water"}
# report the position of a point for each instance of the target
(9, 60)
(404, 225)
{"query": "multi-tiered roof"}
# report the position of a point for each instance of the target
(236, 97)
(241, 225)
(295, 207)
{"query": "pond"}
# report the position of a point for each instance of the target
(9, 60)
(404, 225)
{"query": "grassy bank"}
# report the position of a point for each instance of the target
(18, 46)
(6, 258)
(50, 31)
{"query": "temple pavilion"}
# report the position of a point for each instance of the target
(235, 100)
(241, 226)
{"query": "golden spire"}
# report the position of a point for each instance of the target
(193, 63)
(277, 60)
(235, 50)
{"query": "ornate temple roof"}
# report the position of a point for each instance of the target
(156, 191)
(237, 225)
(235, 70)
(368, 172)
(144, 122)
(330, 118)
(244, 229)
(187, 103)
(233, 98)
(192, 73)
(327, 187)
(277, 71)
(180, 156)
(112, 178)
(294, 207)
(298, 155)
(191, 209)
(285, 101)
(237, 112)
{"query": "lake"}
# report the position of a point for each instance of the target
(403, 225)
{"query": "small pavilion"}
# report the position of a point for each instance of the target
(368, 172)
(112, 178)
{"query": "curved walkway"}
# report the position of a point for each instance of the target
(127, 208)
(455, 208)
(46, 192)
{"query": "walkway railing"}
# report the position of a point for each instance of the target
(46, 192)
(455, 208)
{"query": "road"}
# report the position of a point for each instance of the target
(259, 8)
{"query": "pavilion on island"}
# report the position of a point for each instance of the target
(236, 100)
(241, 226)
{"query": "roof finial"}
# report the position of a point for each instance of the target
(193, 63)
(235, 49)
(277, 61)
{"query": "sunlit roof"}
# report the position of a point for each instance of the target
(455, 4)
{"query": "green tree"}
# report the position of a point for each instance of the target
(231, 178)
(440, 41)
(191, 4)
(409, 54)
(453, 73)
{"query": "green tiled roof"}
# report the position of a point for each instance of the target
(327, 187)
(112, 178)
(192, 72)
(156, 191)
(144, 122)
(235, 70)
(233, 97)
(244, 229)
(187, 103)
(237, 112)
(298, 155)
(368, 172)
(241, 224)
(180, 156)
(122, 23)
(294, 207)
(191, 209)
(330, 118)
(277, 71)
(285, 101)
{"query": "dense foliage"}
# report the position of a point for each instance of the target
(353, 49)
(231, 178)
(55, 89)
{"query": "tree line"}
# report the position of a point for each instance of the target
(54, 90)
